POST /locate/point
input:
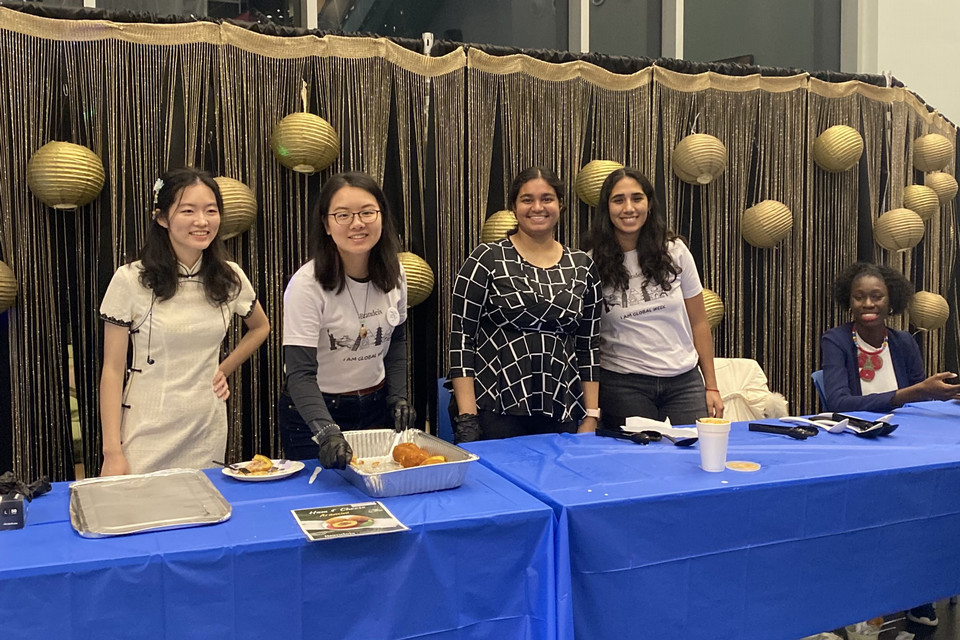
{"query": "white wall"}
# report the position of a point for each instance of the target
(918, 41)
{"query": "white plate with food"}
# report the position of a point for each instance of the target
(262, 469)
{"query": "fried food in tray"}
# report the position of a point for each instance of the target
(405, 455)
(375, 471)
(410, 455)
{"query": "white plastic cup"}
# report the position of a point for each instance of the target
(713, 434)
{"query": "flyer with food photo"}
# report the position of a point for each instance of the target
(347, 520)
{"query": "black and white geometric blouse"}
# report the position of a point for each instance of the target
(527, 335)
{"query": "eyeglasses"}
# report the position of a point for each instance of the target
(346, 217)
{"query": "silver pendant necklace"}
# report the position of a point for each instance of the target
(362, 332)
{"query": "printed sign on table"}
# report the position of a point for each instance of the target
(347, 520)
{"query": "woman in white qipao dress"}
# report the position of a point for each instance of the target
(170, 311)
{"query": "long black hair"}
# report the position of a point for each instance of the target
(159, 261)
(383, 264)
(899, 289)
(653, 241)
(533, 173)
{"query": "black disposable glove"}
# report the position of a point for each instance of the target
(466, 428)
(334, 451)
(404, 415)
(10, 483)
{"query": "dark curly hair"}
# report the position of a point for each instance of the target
(652, 242)
(383, 265)
(159, 261)
(899, 289)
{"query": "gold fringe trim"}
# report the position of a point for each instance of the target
(89, 30)
(833, 89)
(574, 70)
(360, 48)
(710, 80)
(276, 47)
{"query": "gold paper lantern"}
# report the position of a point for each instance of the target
(766, 223)
(591, 177)
(932, 152)
(898, 230)
(496, 226)
(419, 278)
(714, 306)
(922, 200)
(699, 159)
(838, 148)
(943, 183)
(928, 310)
(8, 287)
(65, 175)
(305, 143)
(239, 207)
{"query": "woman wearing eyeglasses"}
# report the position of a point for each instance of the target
(344, 340)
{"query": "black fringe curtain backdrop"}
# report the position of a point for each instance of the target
(444, 134)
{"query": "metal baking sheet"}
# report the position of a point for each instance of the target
(372, 443)
(121, 505)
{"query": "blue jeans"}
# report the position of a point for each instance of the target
(348, 411)
(681, 398)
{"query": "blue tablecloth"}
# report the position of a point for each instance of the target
(830, 530)
(477, 563)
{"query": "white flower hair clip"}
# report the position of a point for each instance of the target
(156, 195)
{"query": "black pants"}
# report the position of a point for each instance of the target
(349, 412)
(494, 426)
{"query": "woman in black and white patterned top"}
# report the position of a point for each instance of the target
(524, 355)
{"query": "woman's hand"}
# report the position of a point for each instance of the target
(714, 404)
(587, 425)
(933, 388)
(220, 386)
(936, 388)
(114, 464)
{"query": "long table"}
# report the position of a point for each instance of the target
(830, 530)
(477, 562)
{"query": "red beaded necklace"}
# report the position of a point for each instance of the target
(869, 362)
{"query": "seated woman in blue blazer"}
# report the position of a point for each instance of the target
(866, 365)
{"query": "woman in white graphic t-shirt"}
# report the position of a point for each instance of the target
(656, 350)
(344, 312)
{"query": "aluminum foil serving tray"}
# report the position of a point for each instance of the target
(372, 443)
(169, 499)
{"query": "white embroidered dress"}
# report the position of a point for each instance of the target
(171, 416)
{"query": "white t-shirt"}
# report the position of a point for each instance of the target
(646, 329)
(350, 330)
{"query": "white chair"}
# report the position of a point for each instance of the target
(743, 387)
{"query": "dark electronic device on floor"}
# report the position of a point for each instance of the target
(13, 511)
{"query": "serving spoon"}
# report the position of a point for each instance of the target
(866, 428)
(797, 433)
(827, 425)
(678, 442)
(641, 437)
